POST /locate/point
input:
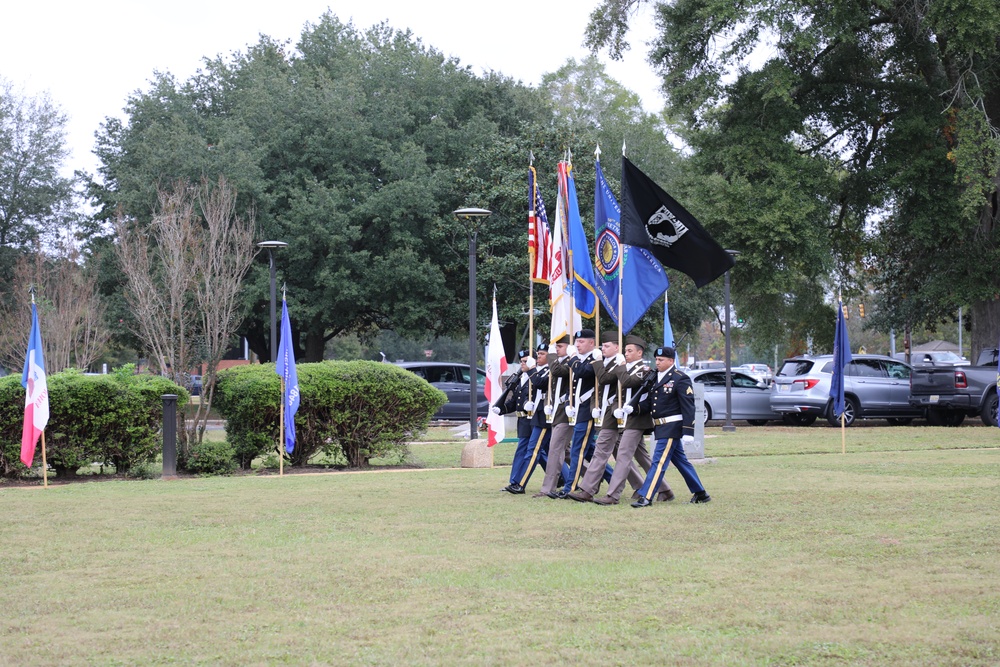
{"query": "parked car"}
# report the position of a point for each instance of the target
(453, 380)
(934, 358)
(195, 387)
(875, 387)
(750, 397)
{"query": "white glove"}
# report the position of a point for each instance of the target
(597, 413)
(495, 410)
(572, 351)
(529, 406)
(530, 363)
(598, 355)
(548, 410)
(620, 359)
(570, 411)
(687, 439)
(552, 349)
(628, 409)
(619, 413)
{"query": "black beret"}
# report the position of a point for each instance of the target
(584, 333)
(542, 347)
(523, 354)
(665, 351)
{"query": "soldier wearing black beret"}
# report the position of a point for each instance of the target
(670, 402)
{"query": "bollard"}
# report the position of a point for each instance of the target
(169, 436)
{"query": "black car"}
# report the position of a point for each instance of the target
(453, 379)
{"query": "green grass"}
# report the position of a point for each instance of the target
(884, 556)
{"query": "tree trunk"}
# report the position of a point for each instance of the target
(985, 326)
(315, 344)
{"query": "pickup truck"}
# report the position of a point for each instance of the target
(949, 393)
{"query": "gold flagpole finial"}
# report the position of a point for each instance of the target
(597, 153)
(531, 158)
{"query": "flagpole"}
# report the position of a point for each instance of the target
(843, 421)
(281, 429)
(531, 259)
(45, 466)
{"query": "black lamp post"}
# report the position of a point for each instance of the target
(729, 427)
(473, 218)
(271, 247)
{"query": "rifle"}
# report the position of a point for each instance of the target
(508, 386)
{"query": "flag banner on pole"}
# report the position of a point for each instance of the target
(998, 385)
(565, 320)
(668, 331)
(285, 368)
(496, 366)
(643, 279)
(539, 240)
(654, 220)
(841, 357)
(583, 268)
(36, 398)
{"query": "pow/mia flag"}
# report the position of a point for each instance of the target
(652, 219)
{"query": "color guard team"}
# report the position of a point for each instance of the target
(598, 403)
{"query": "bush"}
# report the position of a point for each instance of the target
(211, 458)
(364, 409)
(112, 419)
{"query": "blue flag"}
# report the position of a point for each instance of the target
(841, 357)
(668, 331)
(584, 294)
(643, 279)
(285, 368)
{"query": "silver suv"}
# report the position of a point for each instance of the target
(875, 387)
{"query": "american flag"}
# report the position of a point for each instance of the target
(539, 241)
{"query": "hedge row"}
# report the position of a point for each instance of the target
(355, 409)
(111, 419)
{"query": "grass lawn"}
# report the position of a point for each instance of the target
(884, 556)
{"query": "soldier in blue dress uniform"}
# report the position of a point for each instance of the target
(670, 401)
(541, 431)
(516, 394)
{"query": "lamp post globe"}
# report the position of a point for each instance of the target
(472, 218)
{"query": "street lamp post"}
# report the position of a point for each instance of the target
(271, 247)
(473, 218)
(729, 427)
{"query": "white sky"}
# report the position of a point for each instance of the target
(90, 55)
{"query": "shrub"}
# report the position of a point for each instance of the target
(113, 419)
(211, 458)
(362, 408)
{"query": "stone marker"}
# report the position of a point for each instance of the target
(476, 454)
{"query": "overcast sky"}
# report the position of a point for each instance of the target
(90, 55)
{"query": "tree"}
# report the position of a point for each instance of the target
(184, 273)
(864, 128)
(71, 312)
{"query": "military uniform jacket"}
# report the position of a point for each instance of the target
(519, 393)
(671, 395)
(633, 381)
(538, 378)
(583, 385)
(607, 374)
(559, 396)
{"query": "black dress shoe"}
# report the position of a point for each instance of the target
(553, 495)
(701, 497)
(642, 502)
(516, 489)
(562, 495)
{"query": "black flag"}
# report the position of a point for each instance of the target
(652, 219)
